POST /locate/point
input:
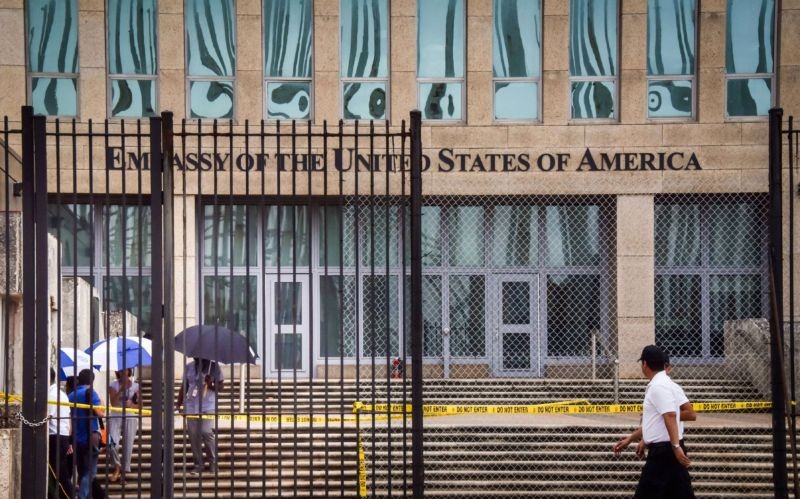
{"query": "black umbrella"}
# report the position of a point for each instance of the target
(216, 343)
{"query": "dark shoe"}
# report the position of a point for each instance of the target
(212, 468)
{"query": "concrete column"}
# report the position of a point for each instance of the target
(635, 280)
(186, 285)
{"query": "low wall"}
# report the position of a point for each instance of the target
(10, 471)
(747, 353)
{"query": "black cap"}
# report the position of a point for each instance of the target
(653, 353)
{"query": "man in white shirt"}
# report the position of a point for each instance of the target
(664, 474)
(60, 448)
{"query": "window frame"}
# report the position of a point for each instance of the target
(772, 76)
(705, 270)
(30, 75)
(189, 79)
(535, 79)
(577, 79)
(419, 81)
(267, 80)
(111, 77)
(386, 81)
(672, 77)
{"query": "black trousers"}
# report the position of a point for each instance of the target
(61, 464)
(663, 476)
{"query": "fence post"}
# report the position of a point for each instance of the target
(34, 312)
(417, 463)
(158, 465)
(776, 303)
(169, 330)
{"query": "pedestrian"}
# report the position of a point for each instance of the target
(86, 432)
(665, 473)
(123, 392)
(60, 448)
(202, 380)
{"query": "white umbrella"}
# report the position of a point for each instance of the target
(121, 353)
(72, 361)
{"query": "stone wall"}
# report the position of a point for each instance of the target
(10, 457)
(747, 352)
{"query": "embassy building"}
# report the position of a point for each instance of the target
(595, 172)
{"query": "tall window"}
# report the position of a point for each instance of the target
(132, 57)
(749, 53)
(365, 59)
(53, 57)
(593, 58)
(517, 58)
(710, 263)
(440, 59)
(110, 248)
(288, 27)
(671, 42)
(211, 57)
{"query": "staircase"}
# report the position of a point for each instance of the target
(487, 460)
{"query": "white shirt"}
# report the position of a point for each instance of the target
(659, 399)
(59, 414)
(680, 399)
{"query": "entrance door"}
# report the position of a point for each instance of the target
(516, 341)
(288, 324)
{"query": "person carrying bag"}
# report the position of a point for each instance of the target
(86, 425)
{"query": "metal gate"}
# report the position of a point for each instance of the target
(301, 241)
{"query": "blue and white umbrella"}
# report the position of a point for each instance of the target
(72, 361)
(120, 353)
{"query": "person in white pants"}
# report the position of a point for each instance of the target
(123, 392)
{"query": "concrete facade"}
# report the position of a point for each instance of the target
(732, 153)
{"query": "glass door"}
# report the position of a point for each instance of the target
(516, 348)
(288, 325)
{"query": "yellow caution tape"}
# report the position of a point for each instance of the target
(362, 469)
(144, 412)
(563, 407)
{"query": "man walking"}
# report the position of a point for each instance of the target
(664, 474)
(202, 379)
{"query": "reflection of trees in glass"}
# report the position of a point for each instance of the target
(230, 235)
(287, 27)
(211, 37)
(573, 312)
(678, 320)
(232, 302)
(134, 295)
(381, 328)
(72, 226)
(337, 316)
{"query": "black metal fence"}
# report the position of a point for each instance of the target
(278, 233)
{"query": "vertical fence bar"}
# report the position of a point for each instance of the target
(42, 361)
(776, 291)
(168, 343)
(417, 462)
(158, 443)
(29, 457)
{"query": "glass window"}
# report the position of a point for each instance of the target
(133, 294)
(337, 316)
(431, 314)
(678, 307)
(286, 229)
(336, 238)
(593, 54)
(288, 29)
(288, 303)
(211, 57)
(381, 308)
(73, 227)
(232, 302)
(226, 230)
(128, 239)
(441, 58)
(573, 314)
(375, 222)
(671, 58)
(516, 58)
(573, 235)
(132, 36)
(364, 28)
(515, 236)
(749, 53)
(466, 235)
(53, 56)
(710, 267)
(467, 298)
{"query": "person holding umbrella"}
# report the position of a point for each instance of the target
(202, 379)
(123, 392)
